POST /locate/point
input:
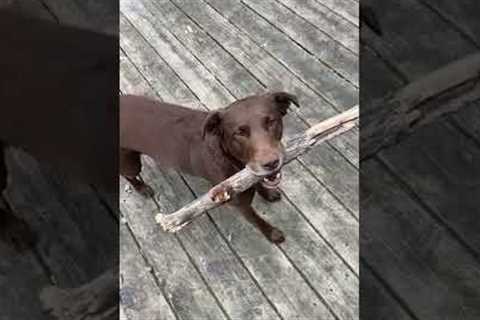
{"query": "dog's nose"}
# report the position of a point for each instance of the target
(272, 165)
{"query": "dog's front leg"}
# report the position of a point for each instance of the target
(273, 234)
(268, 194)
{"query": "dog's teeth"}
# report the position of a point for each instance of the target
(278, 175)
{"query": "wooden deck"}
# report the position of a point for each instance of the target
(69, 220)
(420, 244)
(207, 54)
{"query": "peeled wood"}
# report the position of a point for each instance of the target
(441, 92)
(244, 179)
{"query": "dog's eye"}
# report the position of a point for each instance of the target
(242, 131)
(269, 122)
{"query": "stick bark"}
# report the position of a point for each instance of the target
(244, 179)
(441, 92)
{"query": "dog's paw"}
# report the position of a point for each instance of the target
(276, 236)
(220, 194)
(271, 195)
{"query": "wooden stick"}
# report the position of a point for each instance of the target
(443, 91)
(244, 179)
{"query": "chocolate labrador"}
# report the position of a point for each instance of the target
(212, 145)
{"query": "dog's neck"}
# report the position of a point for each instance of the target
(221, 155)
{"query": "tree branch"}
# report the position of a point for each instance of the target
(244, 179)
(443, 91)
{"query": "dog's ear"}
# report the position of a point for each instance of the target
(283, 100)
(211, 125)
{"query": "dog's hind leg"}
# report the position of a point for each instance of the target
(130, 167)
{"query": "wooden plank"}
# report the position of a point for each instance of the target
(33, 8)
(100, 16)
(416, 53)
(140, 297)
(469, 120)
(274, 273)
(328, 21)
(409, 249)
(342, 60)
(378, 80)
(215, 260)
(332, 86)
(21, 277)
(349, 188)
(66, 233)
(256, 71)
(462, 14)
(185, 290)
(376, 301)
(130, 78)
(304, 299)
(346, 189)
(345, 8)
(446, 162)
(301, 303)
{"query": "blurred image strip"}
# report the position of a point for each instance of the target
(58, 160)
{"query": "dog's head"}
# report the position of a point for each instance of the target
(250, 130)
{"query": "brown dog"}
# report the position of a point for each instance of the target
(212, 145)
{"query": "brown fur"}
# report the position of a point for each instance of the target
(212, 145)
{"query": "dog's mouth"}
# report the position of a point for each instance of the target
(273, 180)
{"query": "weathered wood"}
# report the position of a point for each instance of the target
(333, 87)
(95, 300)
(329, 276)
(140, 296)
(99, 16)
(323, 18)
(245, 178)
(331, 169)
(419, 103)
(339, 59)
(462, 14)
(412, 252)
(445, 162)
(221, 268)
(183, 286)
(303, 276)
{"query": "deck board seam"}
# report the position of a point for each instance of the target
(163, 60)
(403, 304)
(307, 281)
(453, 23)
(246, 69)
(235, 253)
(140, 73)
(327, 65)
(221, 83)
(329, 245)
(331, 192)
(50, 11)
(294, 74)
(412, 194)
(335, 12)
(195, 267)
(151, 270)
(318, 29)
